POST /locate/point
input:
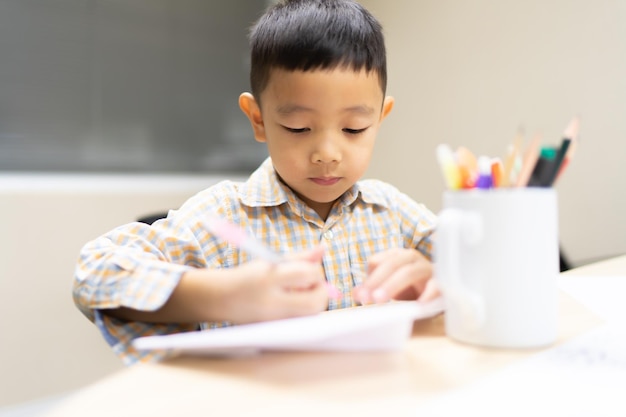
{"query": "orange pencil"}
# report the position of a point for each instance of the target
(497, 172)
(468, 166)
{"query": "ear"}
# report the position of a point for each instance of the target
(387, 106)
(250, 108)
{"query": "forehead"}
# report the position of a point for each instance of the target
(317, 87)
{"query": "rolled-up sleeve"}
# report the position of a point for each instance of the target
(135, 266)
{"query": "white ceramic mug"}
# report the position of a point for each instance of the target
(496, 261)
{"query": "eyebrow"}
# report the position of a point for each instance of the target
(288, 109)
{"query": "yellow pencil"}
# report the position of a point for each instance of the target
(510, 160)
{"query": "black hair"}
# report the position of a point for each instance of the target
(309, 35)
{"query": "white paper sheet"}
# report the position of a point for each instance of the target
(367, 328)
(583, 377)
(603, 295)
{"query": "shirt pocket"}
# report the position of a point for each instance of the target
(361, 250)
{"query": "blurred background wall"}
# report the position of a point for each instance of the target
(473, 72)
(109, 110)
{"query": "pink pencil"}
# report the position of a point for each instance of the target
(236, 236)
(528, 164)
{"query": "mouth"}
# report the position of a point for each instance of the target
(326, 180)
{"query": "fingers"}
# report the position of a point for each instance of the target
(293, 288)
(298, 275)
(263, 291)
(431, 291)
(383, 264)
(309, 258)
(299, 289)
(401, 274)
(296, 303)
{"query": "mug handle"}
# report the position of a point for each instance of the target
(457, 228)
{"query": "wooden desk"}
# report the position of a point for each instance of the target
(302, 384)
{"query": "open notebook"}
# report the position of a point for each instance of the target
(381, 327)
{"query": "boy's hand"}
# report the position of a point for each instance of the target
(400, 274)
(256, 291)
(266, 291)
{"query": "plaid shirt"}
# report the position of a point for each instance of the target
(138, 266)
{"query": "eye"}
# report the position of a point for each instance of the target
(354, 131)
(296, 130)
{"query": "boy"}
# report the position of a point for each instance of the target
(318, 79)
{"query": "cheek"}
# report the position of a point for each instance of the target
(361, 154)
(365, 144)
(285, 156)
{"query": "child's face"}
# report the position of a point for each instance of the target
(320, 128)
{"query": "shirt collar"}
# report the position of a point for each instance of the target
(372, 192)
(263, 188)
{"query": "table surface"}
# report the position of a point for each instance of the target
(308, 383)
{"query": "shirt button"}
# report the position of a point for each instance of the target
(328, 235)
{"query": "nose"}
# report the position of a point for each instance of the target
(326, 150)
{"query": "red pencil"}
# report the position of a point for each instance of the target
(571, 132)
